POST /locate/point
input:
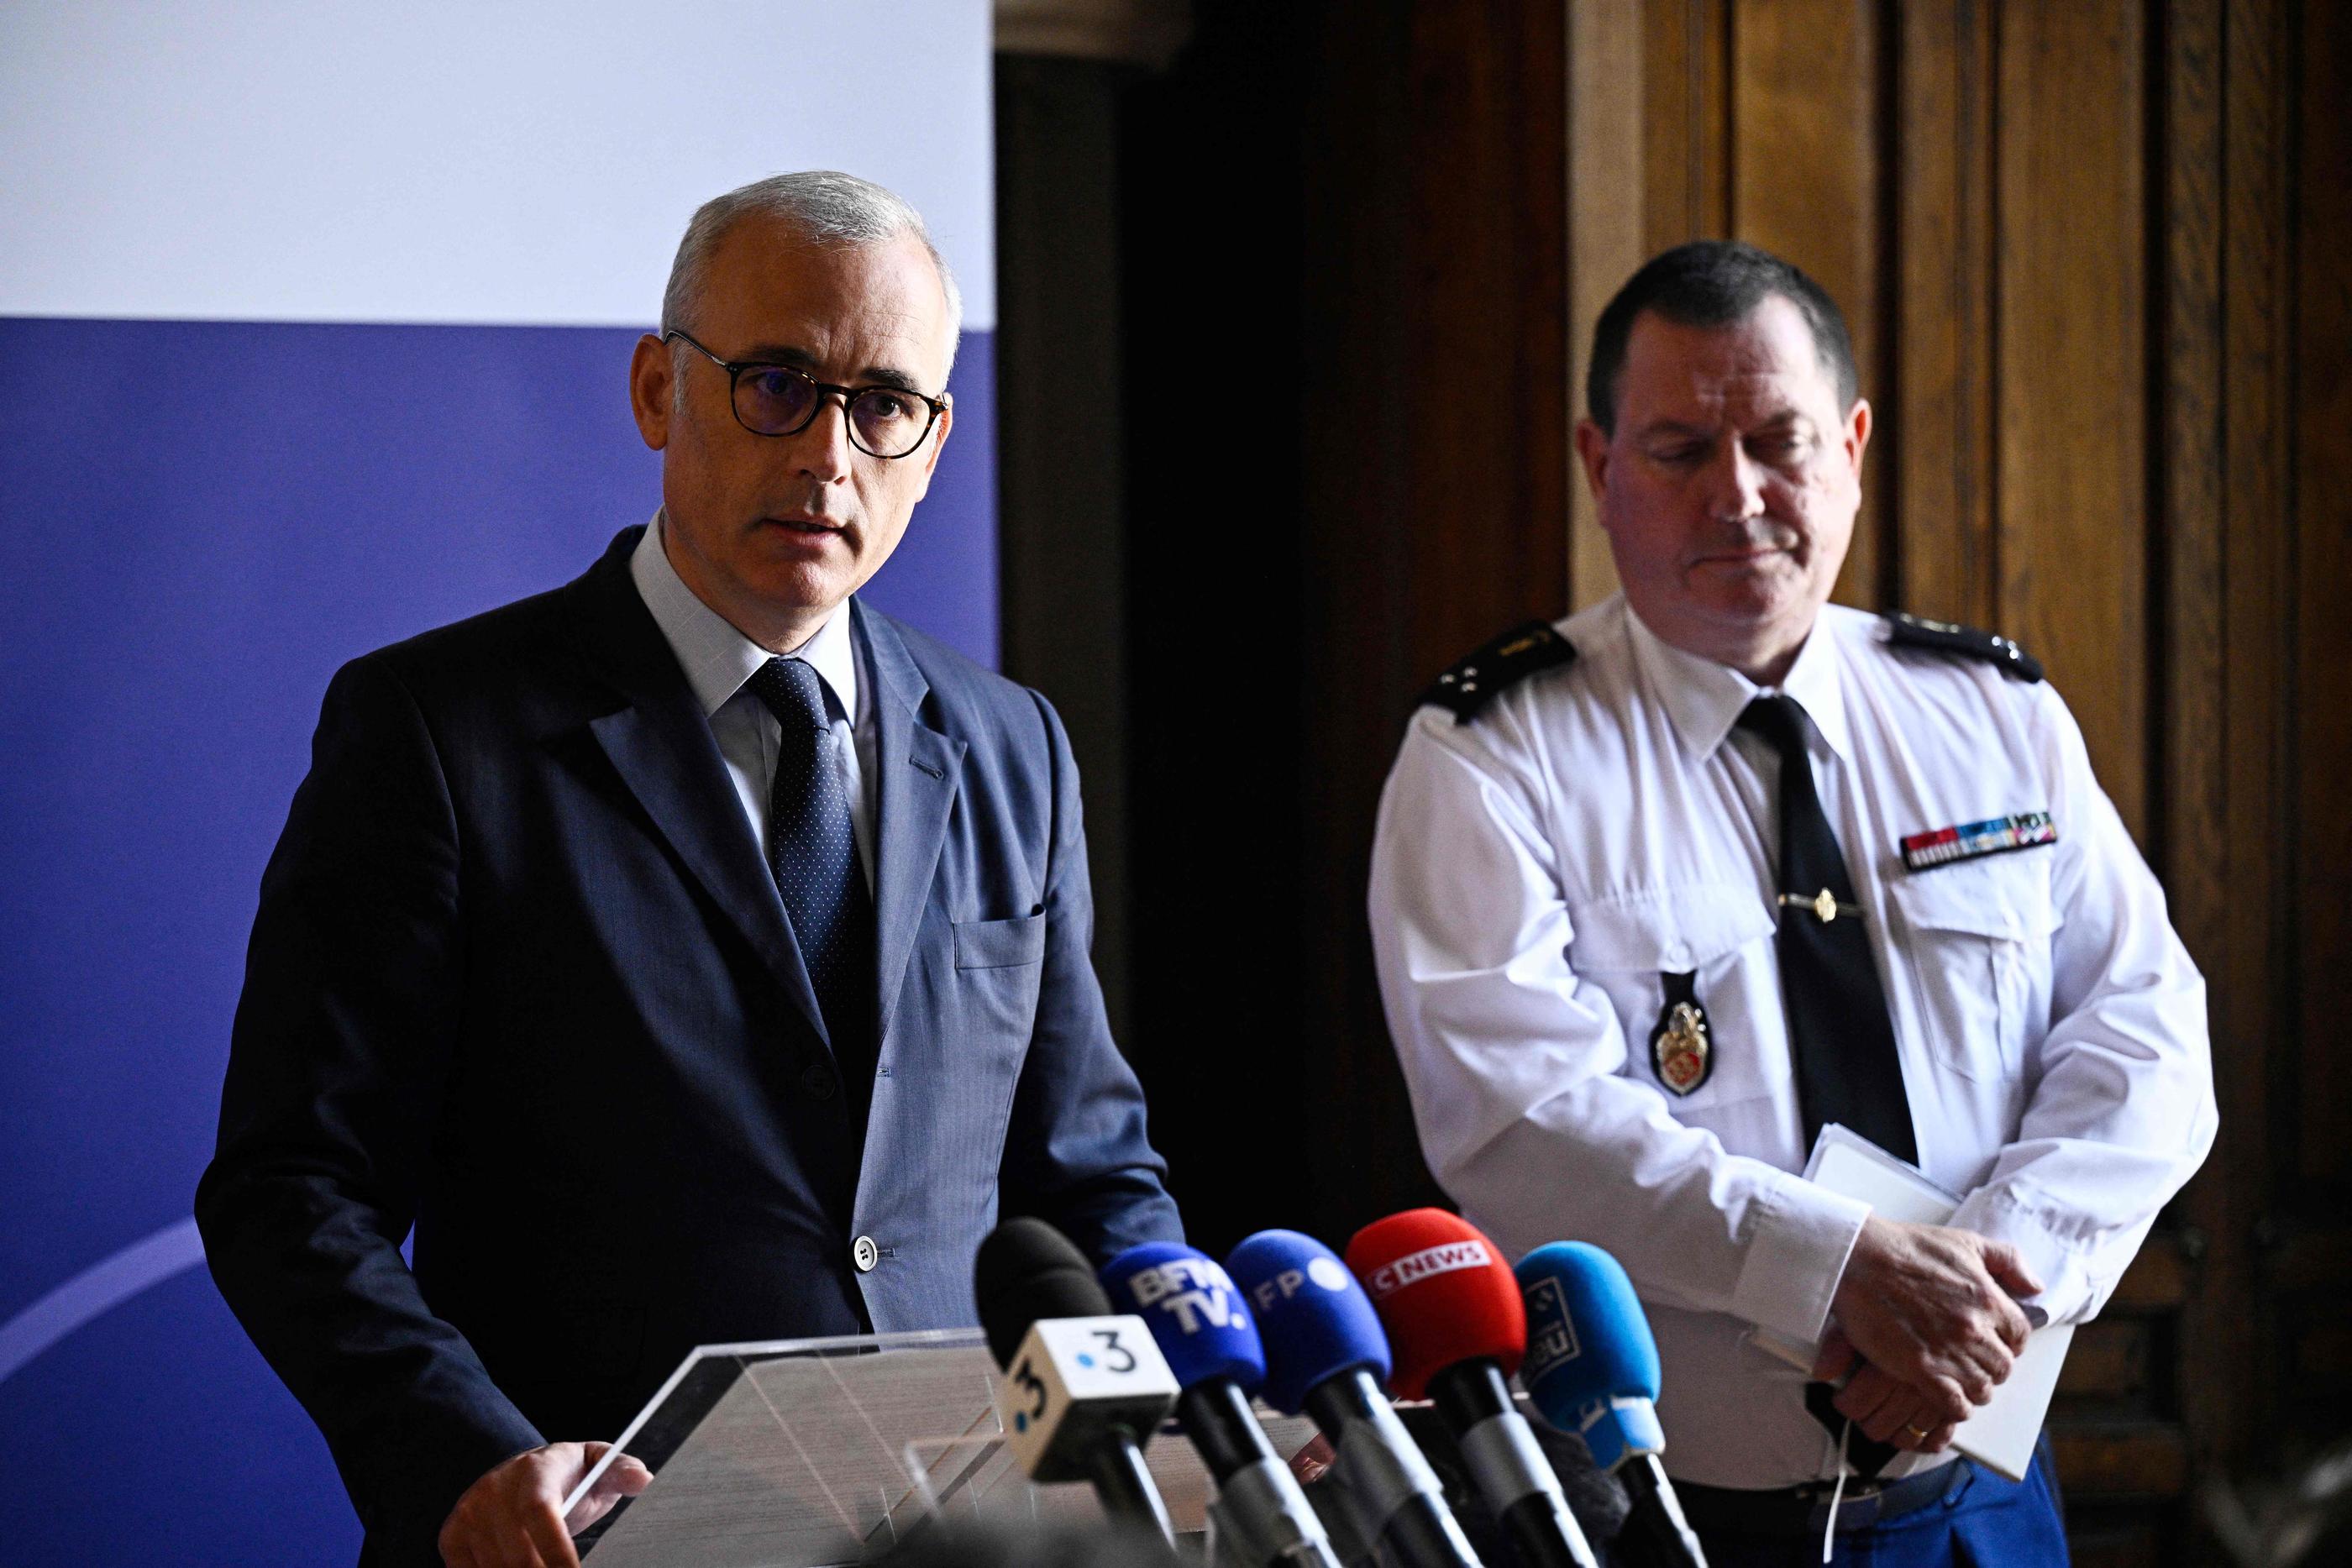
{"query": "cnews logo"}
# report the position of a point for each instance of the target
(1414, 1267)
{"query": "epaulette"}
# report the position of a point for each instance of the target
(1916, 632)
(1476, 680)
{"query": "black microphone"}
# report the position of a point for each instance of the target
(1456, 1330)
(1591, 1368)
(1204, 1330)
(1083, 1387)
(1325, 1351)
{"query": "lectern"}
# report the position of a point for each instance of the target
(793, 1453)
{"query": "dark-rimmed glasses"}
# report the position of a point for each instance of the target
(784, 399)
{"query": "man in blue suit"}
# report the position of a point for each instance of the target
(691, 953)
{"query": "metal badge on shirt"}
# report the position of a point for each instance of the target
(1681, 1049)
(1973, 841)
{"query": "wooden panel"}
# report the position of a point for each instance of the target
(1804, 96)
(1606, 153)
(2106, 319)
(2130, 1458)
(2221, 1344)
(1487, 297)
(2073, 367)
(1941, 389)
(2323, 1350)
(2108, 1361)
(2323, 489)
(2237, 1407)
(2158, 1279)
(1438, 261)
(2311, 1262)
(2128, 1542)
(1688, 167)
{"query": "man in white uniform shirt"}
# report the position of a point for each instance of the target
(1621, 1023)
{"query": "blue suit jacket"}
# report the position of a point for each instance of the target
(520, 975)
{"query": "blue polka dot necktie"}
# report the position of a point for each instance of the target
(812, 852)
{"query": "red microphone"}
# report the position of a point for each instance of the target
(1457, 1327)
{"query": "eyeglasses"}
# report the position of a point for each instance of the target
(782, 400)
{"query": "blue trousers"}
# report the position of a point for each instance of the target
(1985, 1522)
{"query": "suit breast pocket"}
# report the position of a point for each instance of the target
(1000, 944)
(1000, 966)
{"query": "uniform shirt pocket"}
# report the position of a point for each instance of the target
(1000, 944)
(1979, 958)
(1719, 933)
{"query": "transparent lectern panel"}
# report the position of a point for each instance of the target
(789, 1453)
(795, 1453)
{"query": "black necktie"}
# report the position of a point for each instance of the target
(812, 852)
(1847, 1068)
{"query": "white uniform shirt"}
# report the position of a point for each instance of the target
(1538, 869)
(718, 659)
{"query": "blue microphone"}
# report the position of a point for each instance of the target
(1591, 1368)
(1205, 1332)
(1326, 1355)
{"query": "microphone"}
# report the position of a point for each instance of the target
(1324, 1354)
(1591, 1368)
(1456, 1331)
(1083, 1387)
(1204, 1328)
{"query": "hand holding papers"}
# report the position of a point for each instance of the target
(2001, 1434)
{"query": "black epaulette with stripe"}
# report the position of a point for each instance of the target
(1943, 637)
(1474, 681)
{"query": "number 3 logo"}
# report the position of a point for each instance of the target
(1026, 1379)
(1126, 1362)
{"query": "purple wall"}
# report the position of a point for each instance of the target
(198, 523)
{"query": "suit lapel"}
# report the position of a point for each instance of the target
(660, 744)
(920, 769)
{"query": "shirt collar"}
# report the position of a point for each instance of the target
(1705, 699)
(716, 657)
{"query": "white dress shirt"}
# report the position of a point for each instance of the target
(1539, 869)
(717, 660)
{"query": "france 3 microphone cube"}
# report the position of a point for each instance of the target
(1083, 1387)
(1073, 1383)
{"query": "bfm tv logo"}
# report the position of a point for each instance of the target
(1414, 1267)
(1195, 1289)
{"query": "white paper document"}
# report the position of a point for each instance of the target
(2001, 1435)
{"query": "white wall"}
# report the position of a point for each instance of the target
(185, 160)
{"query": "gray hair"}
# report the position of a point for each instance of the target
(823, 204)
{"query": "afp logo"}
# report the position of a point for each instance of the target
(1196, 1291)
(1326, 1272)
(1551, 1335)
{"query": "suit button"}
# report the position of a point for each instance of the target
(818, 1079)
(865, 1254)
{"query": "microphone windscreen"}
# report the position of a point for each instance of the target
(1588, 1339)
(1315, 1320)
(1028, 1271)
(1444, 1292)
(1196, 1312)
